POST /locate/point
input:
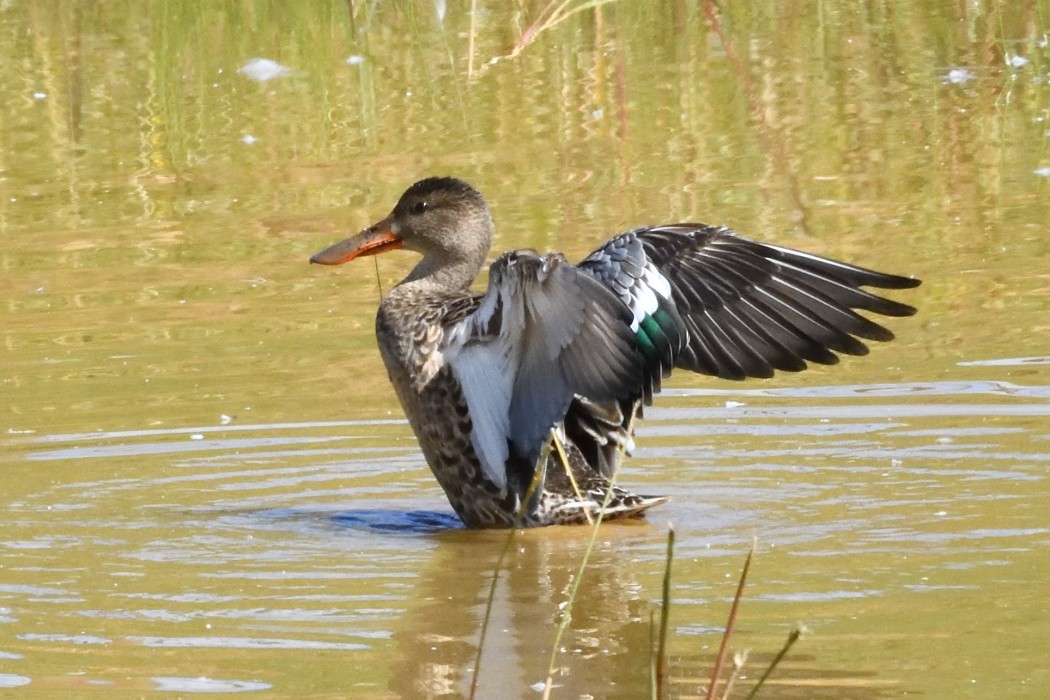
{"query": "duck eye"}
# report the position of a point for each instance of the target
(419, 207)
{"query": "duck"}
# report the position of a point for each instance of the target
(524, 397)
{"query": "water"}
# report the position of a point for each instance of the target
(208, 486)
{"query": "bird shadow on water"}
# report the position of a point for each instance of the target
(387, 521)
(419, 522)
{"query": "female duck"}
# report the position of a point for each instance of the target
(524, 397)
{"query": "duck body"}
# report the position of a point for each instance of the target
(417, 330)
(524, 397)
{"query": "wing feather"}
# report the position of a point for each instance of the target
(547, 335)
(543, 333)
(744, 308)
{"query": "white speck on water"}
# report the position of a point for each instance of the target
(11, 680)
(941, 513)
(248, 139)
(1043, 172)
(734, 404)
(225, 419)
(958, 76)
(895, 462)
(39, 95)
(203, 684)
(1017, 61)
(196, 436)
(263, 70)
(355, 60)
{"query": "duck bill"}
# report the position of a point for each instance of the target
(372, 241)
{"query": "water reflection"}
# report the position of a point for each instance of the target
(605, 647)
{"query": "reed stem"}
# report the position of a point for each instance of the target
(716, 672)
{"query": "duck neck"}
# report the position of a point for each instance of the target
(455, 262)
(438, 270)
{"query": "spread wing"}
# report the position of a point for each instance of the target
(543, 333)
(708, 300)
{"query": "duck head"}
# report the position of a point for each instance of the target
(443, 218)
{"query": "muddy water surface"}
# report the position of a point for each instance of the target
(207, 485)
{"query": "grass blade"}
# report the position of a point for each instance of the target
(488, 612)
(738, 663)
(792, 638)
(665, 612)
(652, 657)
(716, 672)
(567, 609)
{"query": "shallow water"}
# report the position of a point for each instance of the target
(324, 546)
(208, 486)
